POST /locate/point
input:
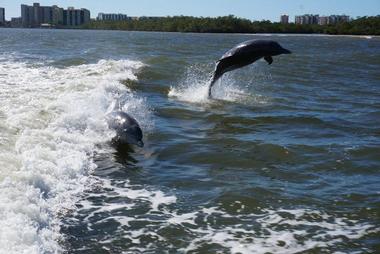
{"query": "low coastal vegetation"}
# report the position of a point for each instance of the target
(232, 24)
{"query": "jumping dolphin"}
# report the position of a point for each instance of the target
(244, 54)
(127, 129)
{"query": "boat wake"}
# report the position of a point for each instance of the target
(211, 228)
(51, 120)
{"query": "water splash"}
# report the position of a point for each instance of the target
(193, 88)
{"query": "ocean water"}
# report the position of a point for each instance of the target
(285, 159)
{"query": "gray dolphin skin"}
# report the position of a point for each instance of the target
(127, 129)
(244, 54)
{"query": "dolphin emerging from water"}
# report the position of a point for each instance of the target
(244, 54)
(127, 129)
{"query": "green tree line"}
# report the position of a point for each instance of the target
(232, 24)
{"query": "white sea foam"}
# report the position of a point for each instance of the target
(270, 231)
(50, 122)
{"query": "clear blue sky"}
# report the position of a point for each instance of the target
(251, 9)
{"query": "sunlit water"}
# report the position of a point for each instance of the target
(285, 159)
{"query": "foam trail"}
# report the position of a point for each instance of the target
(51, 120)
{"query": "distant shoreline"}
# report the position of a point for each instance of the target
(365, 26)
(364, 36)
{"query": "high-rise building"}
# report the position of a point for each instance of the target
(298, 20)
(85, 16)
(2, 16)
(323, 20)
(57, 15)
(34, 16)
(112, 16)
(76, 17)
(307, 19)
(284, 19)
(333, 19)
(26, 15)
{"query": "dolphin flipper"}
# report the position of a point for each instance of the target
(269, 59)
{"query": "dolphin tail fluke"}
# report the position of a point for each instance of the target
(214, 78)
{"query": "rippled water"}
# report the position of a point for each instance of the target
(284, 160)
